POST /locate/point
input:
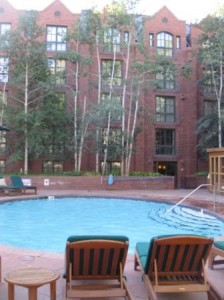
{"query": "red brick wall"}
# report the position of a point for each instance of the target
(188, 104)
(100, 183)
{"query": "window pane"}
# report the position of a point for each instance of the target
(2, 141)
(165, 142)
(107, 69)
(4, 27)
(56, 38)
(57, 68)
(164, 44)
(208, 85)
(165, 110)
(53, 167)
(126, 37)
(178, 44)
(210, 107)
(2, 166)
(151, 39)
(4, 63)
(166, 79)
(3, 99)
(113, 144)
(112, 40)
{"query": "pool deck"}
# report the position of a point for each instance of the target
(14, 258)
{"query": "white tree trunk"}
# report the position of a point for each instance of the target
(26, 142)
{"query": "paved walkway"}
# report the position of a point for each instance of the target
(13, 258)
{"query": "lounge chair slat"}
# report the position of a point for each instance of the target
(116, 259)
(86, 261)
(96, 261)
(106, 256)
(76, 255)
(180, 258)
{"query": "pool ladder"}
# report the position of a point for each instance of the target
(192, 192)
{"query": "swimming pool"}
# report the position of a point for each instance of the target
(45, 224)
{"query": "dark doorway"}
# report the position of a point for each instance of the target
(168, 168)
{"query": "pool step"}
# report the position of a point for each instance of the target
(183, 218)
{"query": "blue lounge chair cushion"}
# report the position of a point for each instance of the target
(219, 244)
(143, 249)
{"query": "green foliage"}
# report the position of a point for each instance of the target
(39, 119)
(207, 131)
(201, 174)
(144, 174)
(211, 127)
(50, 130)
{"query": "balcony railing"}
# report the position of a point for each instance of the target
(165, 150)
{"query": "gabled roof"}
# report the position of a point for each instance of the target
(165, 10)
(5, 4)
(56, 4)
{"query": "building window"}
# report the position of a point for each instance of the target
(4, 28)
(2, 166)
(112, 167)
(4, 69)
(112, 104)
(109, 68)
(3, 99)
(57, 68)
(126, 37)
(164, 44)
(210, 107)
(165, 79)
(55, 149)
(151, 40)
(56, 38)
(2, 141)
(165, 142)
(52, 167)
(139, 28)
(178, 42)
(165, 110)
(114, 143)
(60, 100)
(208, 86)
(111, 40)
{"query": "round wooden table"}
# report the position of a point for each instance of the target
(31, 278)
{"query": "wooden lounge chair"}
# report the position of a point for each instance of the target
(173, 264)
(18, 183)
(99, 261)
(216, 256)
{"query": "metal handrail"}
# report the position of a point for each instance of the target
(182, 200)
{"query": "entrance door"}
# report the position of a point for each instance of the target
(168, 168)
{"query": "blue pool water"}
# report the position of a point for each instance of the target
(45, 224)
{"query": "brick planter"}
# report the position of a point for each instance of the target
(101, 183)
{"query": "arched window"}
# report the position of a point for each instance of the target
(164, 44)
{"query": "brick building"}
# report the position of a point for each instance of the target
(166, 141)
